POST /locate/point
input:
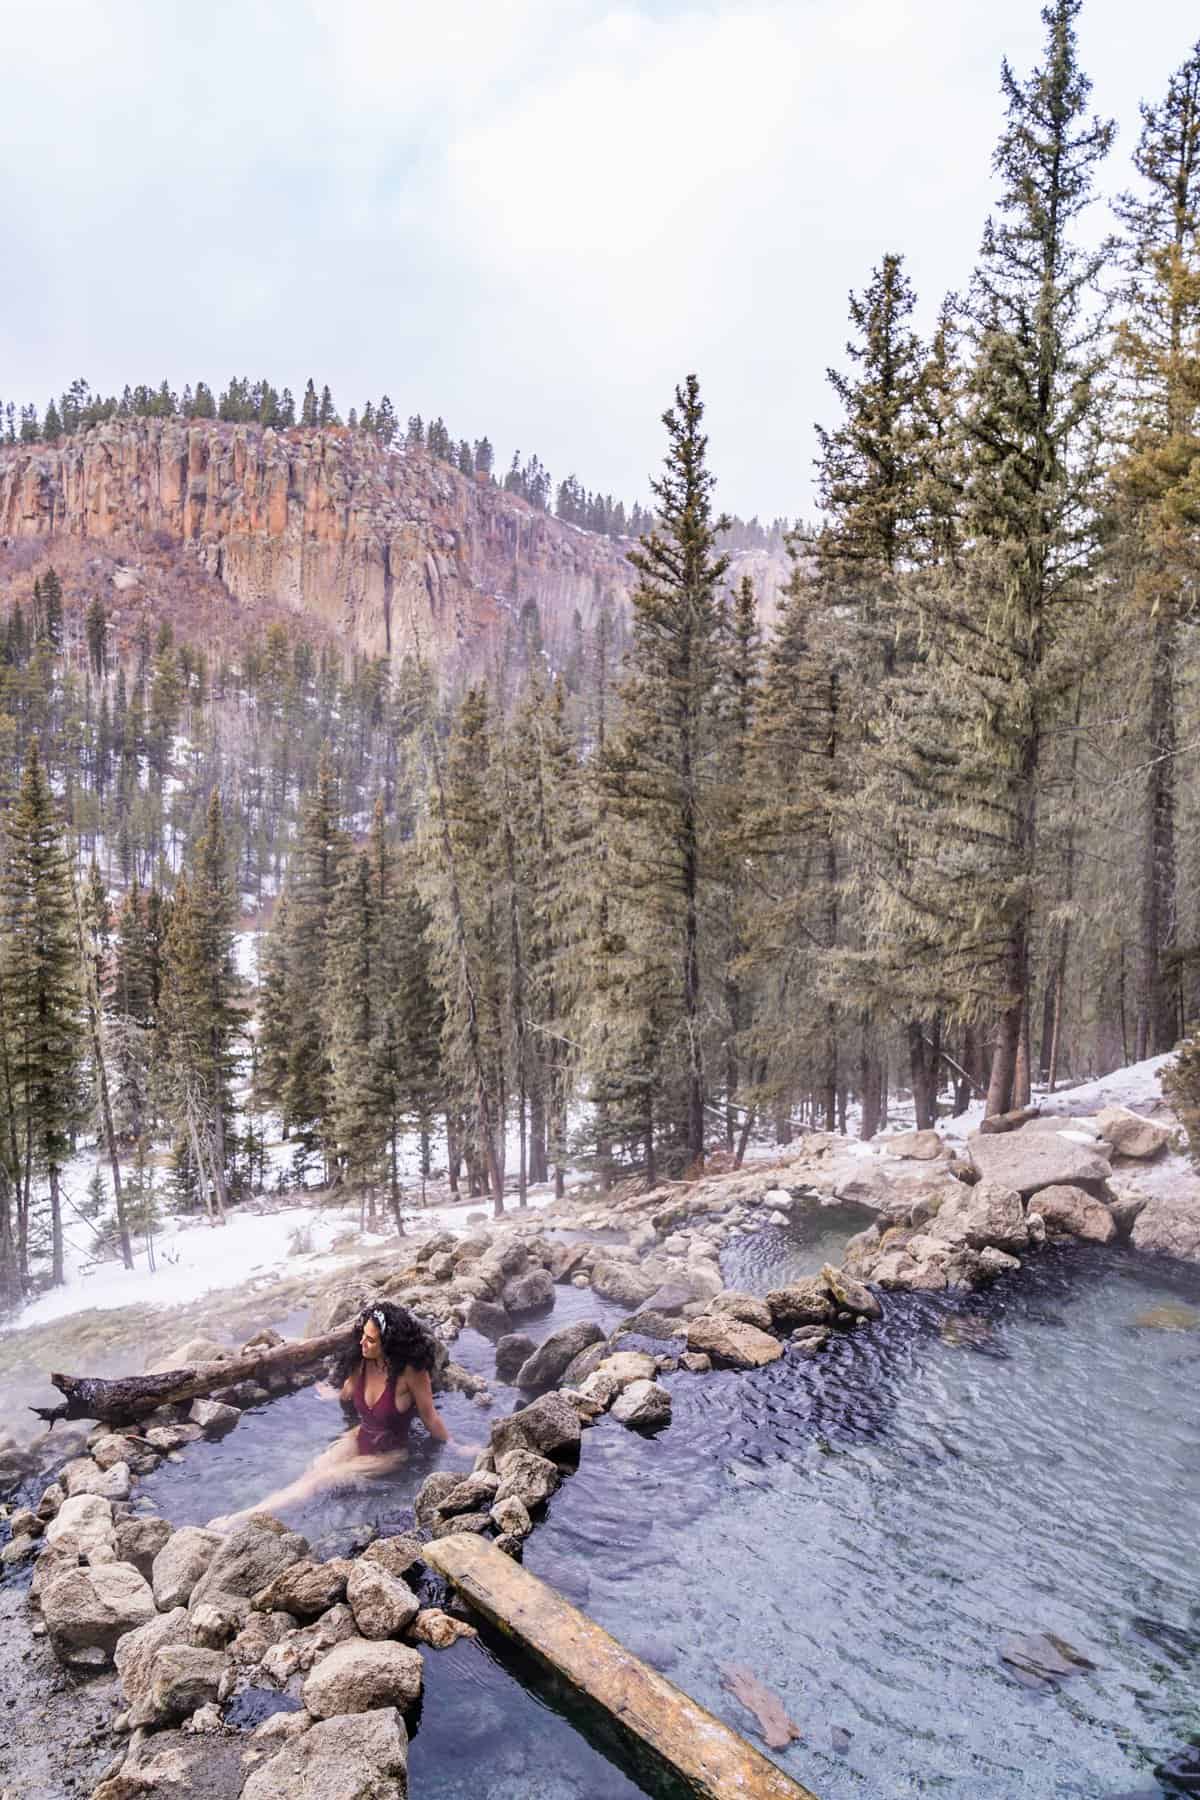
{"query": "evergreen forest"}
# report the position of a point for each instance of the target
(935, 833)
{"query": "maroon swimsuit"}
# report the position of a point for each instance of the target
(383, 1427)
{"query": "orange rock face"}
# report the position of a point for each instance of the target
(398, 553)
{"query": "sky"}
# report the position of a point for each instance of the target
(533, 217)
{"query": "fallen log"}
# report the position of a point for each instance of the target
(130, 1397)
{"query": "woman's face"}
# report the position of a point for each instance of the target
(370, 1343)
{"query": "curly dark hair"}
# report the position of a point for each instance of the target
(406, 1342)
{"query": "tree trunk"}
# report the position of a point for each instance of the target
(58, 1275)
(1157, 1004)
(923, 1061)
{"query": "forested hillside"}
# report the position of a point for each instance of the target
(694, 864)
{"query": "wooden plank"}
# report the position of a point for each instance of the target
(707, 1756)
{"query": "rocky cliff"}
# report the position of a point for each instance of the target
(393, 550)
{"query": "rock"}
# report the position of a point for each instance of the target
(86, 1612)
(110, 1450)
(1130, 1134)
(281, 1728)
(486, 1317)
(180, 1564)
(395, 1554)
(296, 1651)
(644, 1405)
(306, 1588)
(653, 1325)
(473, 1491)
(166, 1438)
(138, 1541)
(212, 1627)
(1126, 1205)
(256, 1637)
(695, 1362)
(436, 1628)
(196, 1352)
(249, 1560)
(528, 1293)
(1031, 1160)
(135, 1653)
(1044, 1657)
(432, 1491)
(512, 1516)
(357, 1756)
(87, 1518)
(623, 1283)
(176, 1765)
(917, 1146)
(512, 1353)
(358, 1676)
(616, 1371)
(549, 1361)
(1009, 1121)
(810, 1339)
(731, 1344)
(529, 1478)
(51, 1500)
(1072, 1212)
(1170, 1225)
(989, 1213)
(213, 1419)
(549, 1426)
(746, 1307)
(588, 1410)
(581, 1366)
(1036, 1227)
(18, 1550)
(1169, 1318)
(181, 1679)
(805, 1302)
(995, 1262)
(851, 1295)
(382, 1604)
(461, 1523)
(671, 1297)
(83, 1476)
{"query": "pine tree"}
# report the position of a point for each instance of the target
(1155, 483)
(309, 404)
(41, 998)
(661, 769)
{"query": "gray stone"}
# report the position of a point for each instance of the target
(395, 1554)
(487, 1317)
(383, 1605)
(804, 1302)
(249, 1560)
(135, 1653)
(695, 1362)
(472, 1492)
(530, 1292)
(182, 1678)
(358, 1676)
(654, 1325)
(989, 1213)
(512, 1517)
(1031, 1160)
(212, 1627)
(352, 1756)
(462, 1523)
(213, 1419)
(1170, 1225)
(87, 1518)
(86, 1612)
(747, 1307)
(529, 1478)
(83, 1476)
(581, 1366)
(1072, 1212)
(850, 1295)
(549, 1361)
(1130, 1134)
(919, 1146)
(180, 1563)
(644, 1405)
(623, 1283)
(138, 1541)
(177, 1765)
(549, 1426)
(512, 1353)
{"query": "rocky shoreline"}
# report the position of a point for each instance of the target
(195, 1623)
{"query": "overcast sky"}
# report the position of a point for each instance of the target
(531, 216)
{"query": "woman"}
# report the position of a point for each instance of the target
(385, 1377)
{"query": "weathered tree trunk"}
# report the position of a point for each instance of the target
(58, 1275)
(923, 1053)
(1157, 1008)
(131, 1397)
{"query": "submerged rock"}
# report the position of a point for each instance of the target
(1169, 1318)
(1043, 1658)
(549, 1361)
(512, 1353)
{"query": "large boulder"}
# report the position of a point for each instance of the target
(383, 1605)
(1072, 1212)
(139, 1541)
(526, 1477)
(488, 1318)
(1130, 1134)
(747, 1307)
(305, 1588)
(178, 1765)
(732, 1344)
(644, 1405)
(83, 1476)
(1168, 1224)
(850, 1295)
(549, 1426)
(804, 1302)
(549, 1361)
(512, 1353)
(87, 1519)
(917, 1146)
(183, 1559)
(1031, 1160)
(623, 1283)
(988, 1213)
(530, 1292)
(581, 1366)
(352, 1756)
(359, 1676)
(135, 1653)
(182, 1677)
(86, 1612)
(249, 1560)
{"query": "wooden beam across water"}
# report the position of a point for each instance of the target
(703, 1755)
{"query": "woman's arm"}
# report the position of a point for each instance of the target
(419, 1386)
(345, 1393)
